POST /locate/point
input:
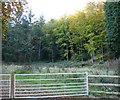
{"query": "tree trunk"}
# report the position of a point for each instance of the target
(81, 52)
(72, 50)
(30, 59)
(24, 57)
(52, 56)
(102, 52)
(19, 57)
(39, 51)
(92, 56)
(67, 54)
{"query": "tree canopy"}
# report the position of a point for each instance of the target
(10, 12)
(76, 37)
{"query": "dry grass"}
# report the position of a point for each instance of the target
(107, 68)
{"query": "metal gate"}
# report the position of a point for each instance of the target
(50, 85)
(5, 86)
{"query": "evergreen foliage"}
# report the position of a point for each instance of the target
(112, 16)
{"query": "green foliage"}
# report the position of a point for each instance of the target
(18, 43)
(76, 37)
(88, 30)
(22, 41)
(112, 15)
(11, 11)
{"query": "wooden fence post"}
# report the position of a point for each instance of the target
(12, 85)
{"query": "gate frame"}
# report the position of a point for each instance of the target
(14, 85)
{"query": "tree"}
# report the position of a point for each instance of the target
(78, 30)
(51, 39)
(96, 30)
(76, 37)
(112, 17)
(17, 44)
(38, 37)
(63, 37)
(88, 31)
(11, 11)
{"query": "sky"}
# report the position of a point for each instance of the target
(56, 8)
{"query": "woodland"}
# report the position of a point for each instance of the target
(91, 34)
